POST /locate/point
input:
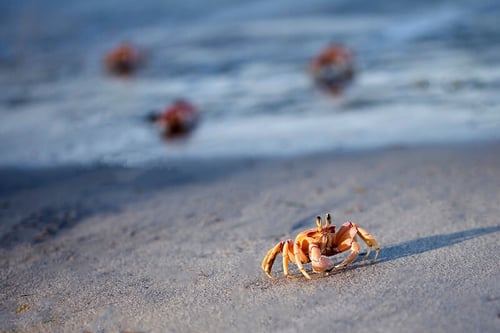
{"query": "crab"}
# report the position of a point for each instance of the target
(123, 59)
(333, 68)
(315, 245)
(177, 119)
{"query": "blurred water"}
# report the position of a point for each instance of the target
(429, 72)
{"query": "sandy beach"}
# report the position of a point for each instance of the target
(178, 248)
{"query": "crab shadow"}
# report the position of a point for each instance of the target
(429, 243)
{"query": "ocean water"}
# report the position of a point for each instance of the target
(427, 72)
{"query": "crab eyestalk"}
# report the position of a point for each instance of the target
(328, 220)
(319, 223)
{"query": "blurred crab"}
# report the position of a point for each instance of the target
(124, 59)
(315, 245)
(177, 119)
(333, 68)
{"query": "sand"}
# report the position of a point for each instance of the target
(178, 248)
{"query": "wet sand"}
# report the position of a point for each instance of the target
(178, 248)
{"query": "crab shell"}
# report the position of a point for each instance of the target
(315, 245)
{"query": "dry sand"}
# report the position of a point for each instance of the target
(178, 248)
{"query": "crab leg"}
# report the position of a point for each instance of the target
(320, 263)
(369, 240)
(346, 238)
(268, 261)
(286, 250)
(287, 256)
(297, 251)
(351, 257)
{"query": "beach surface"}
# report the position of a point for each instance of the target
(178, 248)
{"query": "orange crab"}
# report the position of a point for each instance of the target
(177, 119)
(315, 245)
(124, 59)
(333, 68)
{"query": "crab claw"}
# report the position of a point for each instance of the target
(320, 263)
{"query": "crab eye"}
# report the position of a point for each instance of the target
(319, 223)
(328, 219)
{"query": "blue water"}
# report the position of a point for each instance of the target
(428, 72)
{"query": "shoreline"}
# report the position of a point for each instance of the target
(178, 247)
